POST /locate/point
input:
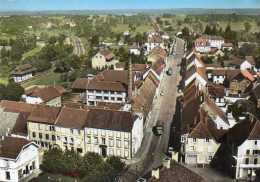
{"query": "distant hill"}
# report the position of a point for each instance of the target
(188, 11)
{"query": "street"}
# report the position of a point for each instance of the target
(78, 47)
(153, 148)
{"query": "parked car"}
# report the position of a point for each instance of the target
(169, 71)
(158, 130)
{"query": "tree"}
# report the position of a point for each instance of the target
(207, 30)
(13, 91)
(247, 26)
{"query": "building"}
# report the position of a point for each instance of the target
(154, 40)
(19, 158)
(171, 171)
(157, 53)
(113, 133)
(204, 43)
(135, 49)
(108, 86)
(103, 59)
(227, 46)
(23, 72)
(49, 95)
(106, 132)
(238, 156)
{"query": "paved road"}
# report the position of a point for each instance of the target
(78, 47)
(154, 148)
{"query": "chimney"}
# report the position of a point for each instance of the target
(167, 162)
(156, 173)
(130, 80)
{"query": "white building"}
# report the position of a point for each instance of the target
(199, 146)
(48, 95)
(113, 133)
(154, 40)
(109, 86)
(204, 43)
(19, 158)
(23, 72)
(103, 59)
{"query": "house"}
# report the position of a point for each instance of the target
(19, 158)
(200, 144)
(113, 133)
(23, 72)
(155, 54)
(204, 43)
(49, 95)
(103, 59)
(171, 171)
(103, 131)
(108, 86)
(249, 64)
(217, 94)
(13, 118)
(227, 47)
(154, 40)
(238, 156)
(135, 49)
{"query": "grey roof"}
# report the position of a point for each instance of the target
(7, 121)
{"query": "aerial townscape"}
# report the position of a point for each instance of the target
(123, 91)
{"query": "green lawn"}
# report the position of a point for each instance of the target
(53, 178)
(124, 27)
(31, 52)
(49, 78)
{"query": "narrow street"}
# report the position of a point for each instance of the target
(79, 49)
(153, 148)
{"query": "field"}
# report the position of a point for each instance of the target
(124, 27)
(31, 52)
(47, 78)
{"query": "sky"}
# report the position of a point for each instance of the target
(33, 5)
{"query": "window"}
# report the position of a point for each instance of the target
(20, 173)
(119, 99)
(247, 152)
(194, 140)
(78, 132)
(95, 140)
(207, 140)
(126, 143)
(52, 128)
(118, 143)
(255, 142)
(126, 154)
(247, 160)
(98, 97)
(106, 98)
(47, 136)
(7, 175)
(58, 137)
(33, 165)
(53, 137)
(40, 135)
(112, 98)
(79, 150)
(103, 141)
(33, 134)
(71, 131)
(210, 158)
(88, 139)
(111, 142)
(255, 161)
(72, 140)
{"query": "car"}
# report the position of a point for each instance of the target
(161, 94)
(169, 71)
(158, 130)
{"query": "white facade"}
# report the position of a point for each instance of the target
(135, 51)
(55, 102)
(248, 159)
(198, 151)
(14, 170)
(22, 78)
(95, 96)
(246, 66)
(151, 45)
(99, 61)
(108, 142)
